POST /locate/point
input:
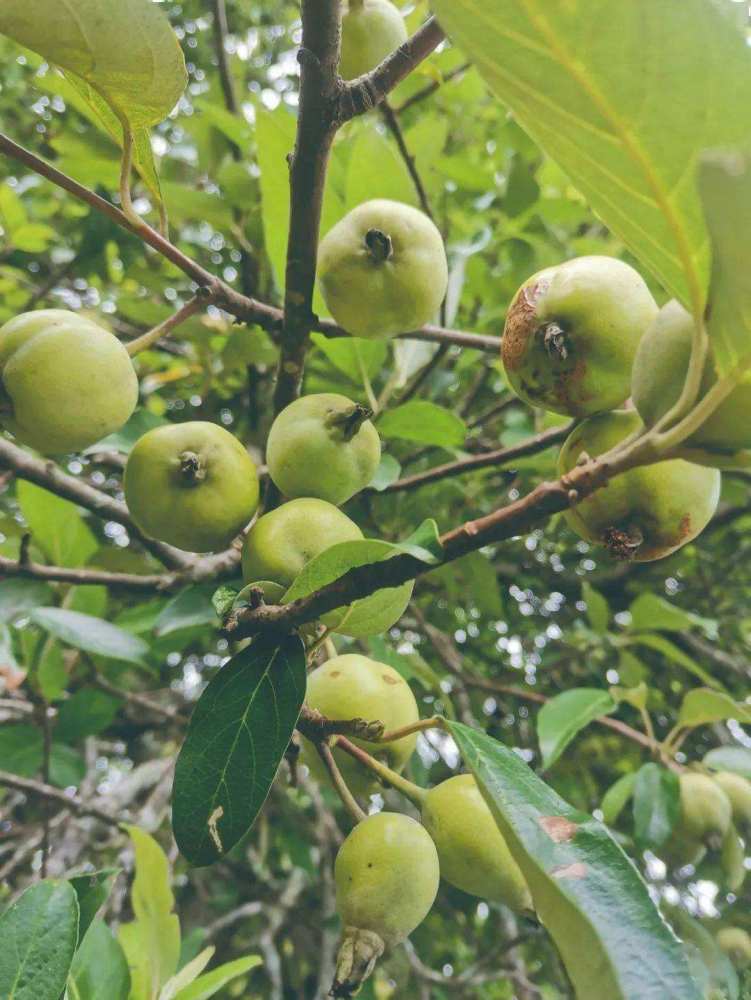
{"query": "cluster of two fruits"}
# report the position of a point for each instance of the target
(582, 337)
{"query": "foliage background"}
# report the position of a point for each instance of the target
(539, 614)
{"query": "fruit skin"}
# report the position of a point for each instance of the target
(706, 811)
(660, 371)
(387, 876)
(572, 332)
(69, 382)
(738, 790)
(383, 269)
(371, 30)
(647, 512)
(323, 446)
(281, 542)
(736, 943)
(473, 854)
(192, 485)
(352, 686)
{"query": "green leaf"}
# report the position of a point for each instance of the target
(586, 891)
(709, 963)
(86, 713)
(151, 942)
(368, 616)
(39, 933)
(635, 696)
(353, 355)
(92, 890)
(124, 439)
(672, 652)
(190, 971)
(702, 706)
(19, 596)
(94, 635)
(21, 753)
(598, 609)
(388, 472)
(650, 611)
(425, 423)
(560, 719)
(657, 804)
(56, 526)
(223, 600)
(237, 737)
(190, 608)
(126, 52)
(424, 543)
(617, 796)
(12, 212)
(736, 759)
(209, 984)
(599, 85)
(725, 185)
(99, 970)
(376, 170)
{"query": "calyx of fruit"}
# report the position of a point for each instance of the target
(660, 372)
(192, 485)
(371, 30)
(281, 542)
(323, 446)
(473, 854)
(383, 269)
(65, 382)
(353, 686)
(647, 512)
(736, 943)
(571, 335)
(387, 877)
(738, 790)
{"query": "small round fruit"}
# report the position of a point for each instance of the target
(383, 269)
(473, 853)
(352, 686)
(68, 382)
(706, 811)
(572, 332)
(371, 30)
(387, 877)
(323, 446)
(647, 512)
(660, 371)
(736, 943)
(281, 542)
(738, 790)
(192, 485)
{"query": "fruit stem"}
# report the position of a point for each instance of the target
(701, 412)
(692, 383)
(148, 339)
(409, 789)
(434, 722)
(555, 341)
(349, 421)
(191, 468)
(379, 245)
(337, 779)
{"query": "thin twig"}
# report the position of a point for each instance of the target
(152, 337)
(70, 802)
(431, 88)
(353, 808)
(395, 128)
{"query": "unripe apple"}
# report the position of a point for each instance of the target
(660, 372)
(571, 335)
(352, 686)
(736, 943)
(66, 382)
(383, 269)
(192, 485)
(281, 542)
(323, 446)
(472, 851)
(647, 512)
(738, 790)
(387, 876)
(371, 30)
(706, 811)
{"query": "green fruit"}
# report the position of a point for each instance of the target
(355, 687)
(192, 485)
(66, 381)
(383, 269)
(660, 371)
(705, 810)
(736, 943)
(645, 513)
(281, 542)
(681, 850)
(738, 790)
(572, 332)
(323, 446)
(371, 30)
(474, 855)
(387, 876)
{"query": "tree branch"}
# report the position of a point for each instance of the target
(431, 88)
(51, 794)
(63, 574)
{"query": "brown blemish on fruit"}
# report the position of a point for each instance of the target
(391, 680)
(521, 323)
(576, 870)
(335, 673)
(622, 544)
(558, 828)
(684, 528)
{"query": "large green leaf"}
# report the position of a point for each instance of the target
(564, 716)
(586, 891)
(650, 611)
(657, 804)
(94, 635)
(237, 737)
(19, 596)
(625, 96)
(56, 525)
(92, 890)
(99, 970)
(424, 422)
(38, 937)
